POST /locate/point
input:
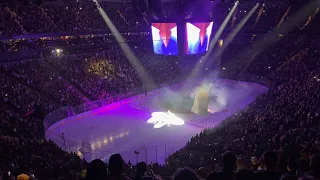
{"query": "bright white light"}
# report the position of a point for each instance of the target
(174, 32)
(58, 50)
(193, 34)
(208, 33)
(160, 119)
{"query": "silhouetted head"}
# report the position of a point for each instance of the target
(289, 178)
(147, 178)
(141, 167)
(270, 160)
(185, 174)
(116, 164)
(291, 165)
(305, 154)
(23, 177)
(315, 163)
(203, 172)
(96, 170)
(229, 160)
(244, 174)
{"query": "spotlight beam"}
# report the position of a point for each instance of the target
(142, 73)
(269, 38)
(235, 31)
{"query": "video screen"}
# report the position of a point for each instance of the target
(164, 36)
(198, 37)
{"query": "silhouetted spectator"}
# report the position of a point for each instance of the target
(291, 169)
(203, 172)
(229, 165)
(147, 178)
(141, 169)
(304, 161)
(96, 170)
(315, 169)
(244, 174)
(116, 167)
(270, 161)
(185, 174)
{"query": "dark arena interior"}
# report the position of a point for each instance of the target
(160, 89)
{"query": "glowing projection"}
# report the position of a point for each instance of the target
(164, 37)
(160, 119)
(198, 37)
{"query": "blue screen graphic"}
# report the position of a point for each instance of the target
(164, 37)
(198, 37)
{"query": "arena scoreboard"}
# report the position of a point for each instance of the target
(172, 38)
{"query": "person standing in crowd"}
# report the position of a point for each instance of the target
(229, 160)
(270, 160)
(185, 174)
(314, 169)
(304, 161)
(97, 170)
(116, 168)
(141, 169)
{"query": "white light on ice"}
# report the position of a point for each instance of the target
(160, 119)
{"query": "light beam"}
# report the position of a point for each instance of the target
(142, 73)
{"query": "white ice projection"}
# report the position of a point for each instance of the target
(160, 119)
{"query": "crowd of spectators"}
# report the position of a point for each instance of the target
(29, 18)
(273, 137)
(85, 17)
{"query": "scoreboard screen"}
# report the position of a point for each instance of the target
(164, 37)
(198, 37)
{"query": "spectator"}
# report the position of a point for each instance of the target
(270, 161)
(203, 173)
(244, 174)
(96, 170)
(291, 170)
(315, 169)
(23, 177)
(141, 169)
(116, 168)
(229, 165)
(185, 174)
(304, 161)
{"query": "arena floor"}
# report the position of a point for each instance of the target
(123, 128)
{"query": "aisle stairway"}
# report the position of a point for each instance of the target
(48, 17)
(24, 83)
(15, 19)
(86, 97)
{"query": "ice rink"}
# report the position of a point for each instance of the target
(123, 127)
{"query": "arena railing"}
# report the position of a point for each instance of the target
(69, 111)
